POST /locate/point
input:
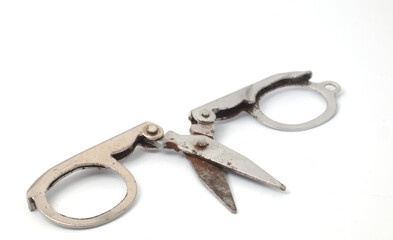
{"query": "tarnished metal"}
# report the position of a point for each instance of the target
(247, 99)
(104, 155)
(208, 157)
(107, 154)
(215, 180)
(218, 154)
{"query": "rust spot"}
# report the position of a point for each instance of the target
(215, 179)
(229, 163)
(172, 145)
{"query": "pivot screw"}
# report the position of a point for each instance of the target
(201, 145)
(152, 130)
(205, 114)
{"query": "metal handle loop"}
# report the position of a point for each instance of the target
(102, 156)
(247, 99)
(327, 89)
(69, 166)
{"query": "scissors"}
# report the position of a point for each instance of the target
(209, 158)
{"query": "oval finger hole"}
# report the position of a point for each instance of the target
(87, 193)
(292, 105)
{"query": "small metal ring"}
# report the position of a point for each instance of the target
(327, 89)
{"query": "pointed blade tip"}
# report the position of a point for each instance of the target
(231, 206)
(234, 211)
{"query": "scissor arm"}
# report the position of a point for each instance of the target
(247, 99)
(104, 155)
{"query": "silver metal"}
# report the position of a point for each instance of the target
(152, 130)
(150, 135)
(247, 99)
(209, 150)
(330, 111)
(104, 155)
(208, 157)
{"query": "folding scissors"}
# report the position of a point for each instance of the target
(208, 157)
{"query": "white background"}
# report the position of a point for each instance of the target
(75, 73)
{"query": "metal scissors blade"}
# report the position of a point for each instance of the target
(247, 99)
(214, 178)
(209, 150)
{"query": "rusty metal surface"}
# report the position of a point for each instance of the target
(215, 180)
(247, 99)
(208, 157)
(221, 155)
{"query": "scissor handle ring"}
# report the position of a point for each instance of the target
(327, 89)
(42, 204)
(101, 156)
(247, 99)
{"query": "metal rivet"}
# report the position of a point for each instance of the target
(201, 144)
(152, 130)
(205, 114)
